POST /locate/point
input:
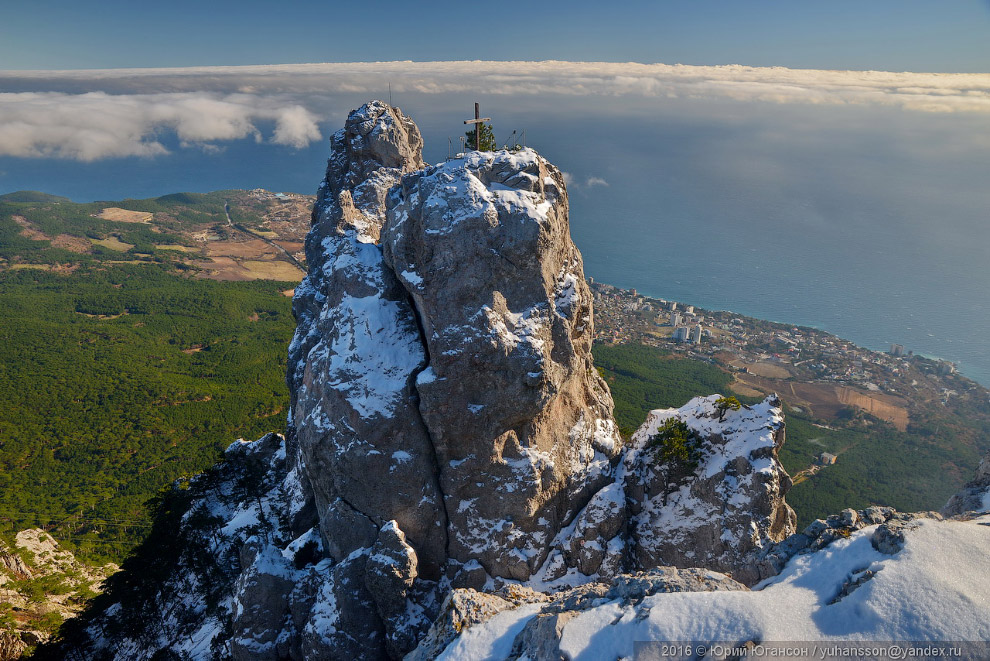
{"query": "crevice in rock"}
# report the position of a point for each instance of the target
(414, 389)
(377, 524)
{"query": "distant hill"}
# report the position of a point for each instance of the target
(32, 196)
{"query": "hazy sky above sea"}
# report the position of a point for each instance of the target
(759, 175)
(892, 35)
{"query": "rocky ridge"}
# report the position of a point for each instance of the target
(450, 451)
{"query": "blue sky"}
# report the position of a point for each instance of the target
(893, 35)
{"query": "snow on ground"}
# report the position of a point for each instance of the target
(493, 640)
(933, 590)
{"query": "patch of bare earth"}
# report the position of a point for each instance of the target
(30, 231)
(222, 268)
(72, 243)
(252, 248)
(273, 270)
(741, 388)
(825, 399)
(125, 215)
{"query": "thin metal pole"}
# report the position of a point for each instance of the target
(477, 126)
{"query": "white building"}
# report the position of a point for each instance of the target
(675, 319)
(696, 334)
(681, 334)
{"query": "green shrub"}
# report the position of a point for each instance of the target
(677, 453)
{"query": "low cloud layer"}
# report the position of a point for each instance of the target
(97, 125)
(96, 114)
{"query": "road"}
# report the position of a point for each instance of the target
(244, 230)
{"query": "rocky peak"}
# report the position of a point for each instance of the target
(443, 392)
(482, 245)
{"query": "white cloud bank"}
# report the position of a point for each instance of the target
(61, 113)
(97, 125)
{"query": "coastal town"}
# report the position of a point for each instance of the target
(807, 366)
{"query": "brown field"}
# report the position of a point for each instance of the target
(66, 241)
(764, 368)
(221, 268)
(125, 216)
(741, 388)
(173, 246)
(28, 230)
(227, 268)
(825, 400)
(113, 243)
(769, 370)
(252, 248)
(39, 267)
(72, 243)
(273, 270)
(289, 292)
(292, 246)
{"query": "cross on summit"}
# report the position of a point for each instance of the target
(477, 121)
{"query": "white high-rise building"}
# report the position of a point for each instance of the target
(681, 334)
(675, 319)
(696, 334)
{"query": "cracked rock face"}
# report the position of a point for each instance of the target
(356, 353)
(444, 378)
(520, 421)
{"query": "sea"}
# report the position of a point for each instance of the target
(872, 223)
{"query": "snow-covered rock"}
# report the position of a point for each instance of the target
(726, 514)
(975, 496)
(356, 353)
(446, 421)
(847, 591)
(520, 421)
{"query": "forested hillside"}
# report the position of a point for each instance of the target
(117, 381)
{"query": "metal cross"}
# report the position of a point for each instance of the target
(478, 119)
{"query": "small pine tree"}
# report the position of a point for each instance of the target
(678, 452)
(487, 139)
(723, 404)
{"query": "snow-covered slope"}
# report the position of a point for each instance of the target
(934, 589)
